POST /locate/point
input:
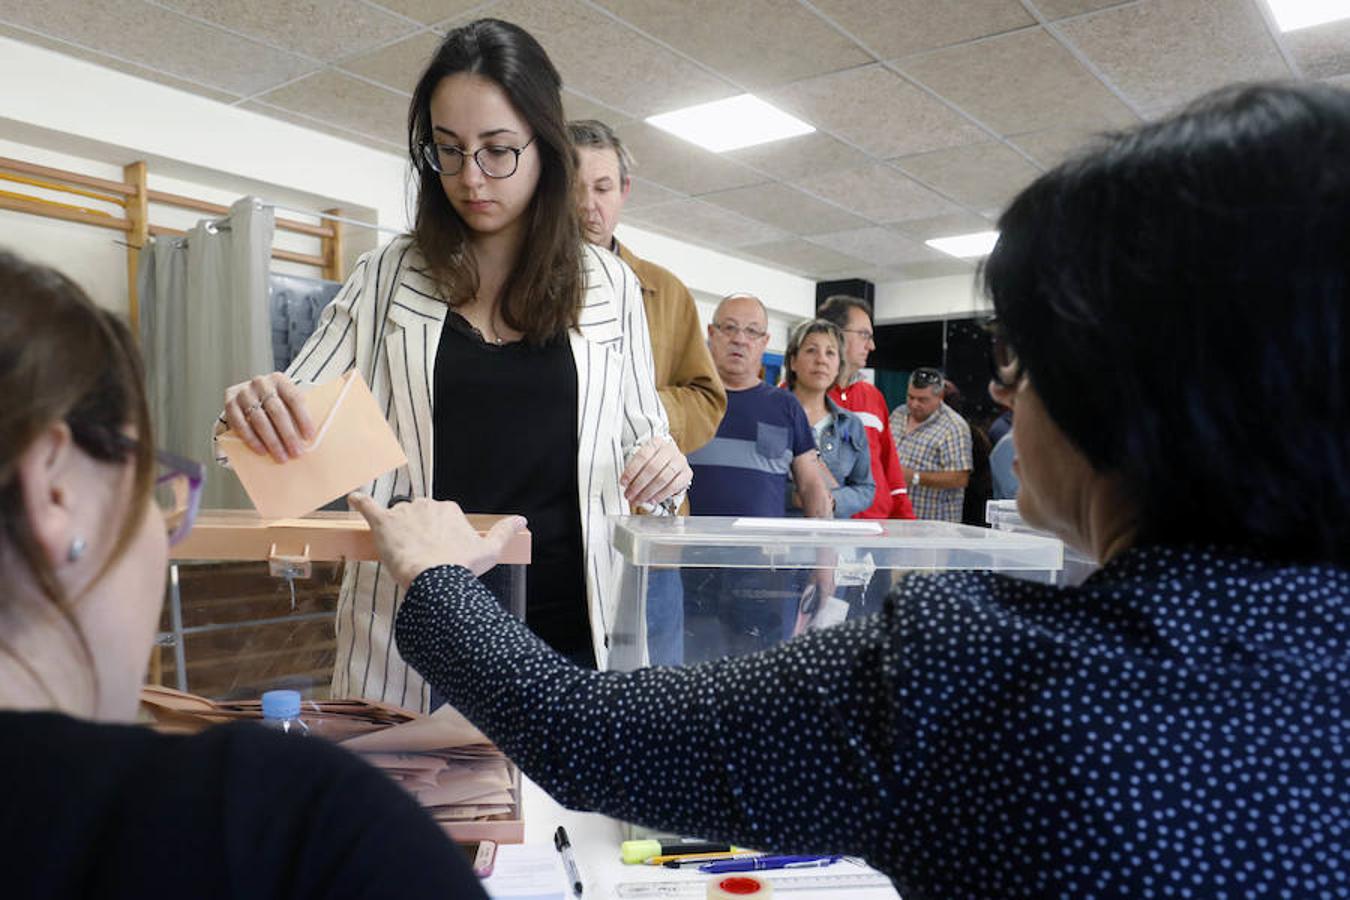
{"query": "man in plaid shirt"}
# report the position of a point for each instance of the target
(934, 446)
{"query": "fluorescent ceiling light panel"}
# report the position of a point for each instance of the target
(730, 124)
(966, 246)
(1291, 15)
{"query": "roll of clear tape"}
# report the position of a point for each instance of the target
(739, 887)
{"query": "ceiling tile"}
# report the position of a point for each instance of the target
(799, 157)
(878, 110)
(399, 65)
(610, 62)
(937, 268)
(328, 128)
(803, 257)
(1026, 81)
(1054, 145)
(983, 176)
(162, 40)
(877, 192)
(943, 226)
(893, 28)
(1323, 51)
(648, 193)
(1162, 53)
(755, 43)
(108, 62)
(878, 246)
(577, 107)
(331, 96)
(430, 11)
(1062, 9)
(703, 223)
(328, 30)
(786, 208)
(681, 166)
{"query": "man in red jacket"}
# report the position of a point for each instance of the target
(853, 317)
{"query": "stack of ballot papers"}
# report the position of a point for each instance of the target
(452, 769)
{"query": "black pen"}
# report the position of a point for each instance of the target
(569, 861)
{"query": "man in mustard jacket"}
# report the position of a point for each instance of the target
(686, 379)
(685, 376)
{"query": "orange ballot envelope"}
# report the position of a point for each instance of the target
(354, 445)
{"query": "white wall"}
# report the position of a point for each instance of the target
(74, 115)
(951, 297)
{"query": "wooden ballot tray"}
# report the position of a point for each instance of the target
(245, 535)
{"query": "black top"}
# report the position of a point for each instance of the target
(1176, 726)
(505, 433)
(108, 811)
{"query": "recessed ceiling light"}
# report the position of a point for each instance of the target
(1291, 15)
(730, 124)
(966, 246)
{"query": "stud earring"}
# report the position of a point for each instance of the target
(76, 550)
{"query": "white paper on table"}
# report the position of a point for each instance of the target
(527, 870)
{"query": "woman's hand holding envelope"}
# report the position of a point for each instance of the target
(657, 470)
(268, 414)
(422, 534)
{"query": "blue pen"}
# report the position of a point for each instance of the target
(769, 862)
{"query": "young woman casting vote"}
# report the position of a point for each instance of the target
(512, 357)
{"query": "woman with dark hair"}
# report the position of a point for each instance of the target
(1177, 724)
(513, 358)
(96, 806)
(811, 362)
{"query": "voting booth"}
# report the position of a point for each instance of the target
(744, 584)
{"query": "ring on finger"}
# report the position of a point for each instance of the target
(271, 395)
(254, 408)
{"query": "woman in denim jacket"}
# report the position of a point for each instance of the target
(812, 365)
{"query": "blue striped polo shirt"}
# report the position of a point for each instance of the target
(743, 471)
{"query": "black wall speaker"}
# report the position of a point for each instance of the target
(851, 287)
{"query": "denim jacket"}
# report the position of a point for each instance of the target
(843, 448)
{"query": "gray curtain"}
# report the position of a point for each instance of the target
(205, 325)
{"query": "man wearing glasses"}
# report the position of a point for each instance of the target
(891, 500)
(934, 444)
(764, 437)
(743, 471)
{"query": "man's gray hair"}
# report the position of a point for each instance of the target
(594, 133)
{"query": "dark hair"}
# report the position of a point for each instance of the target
(799, 335)
(835, 309)
(596, 134)
(1180, 299)
(541, 297)
(62, 359)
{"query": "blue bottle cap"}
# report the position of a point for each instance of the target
(281, 704)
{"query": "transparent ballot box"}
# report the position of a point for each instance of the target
(1003, 515)
(699, 588)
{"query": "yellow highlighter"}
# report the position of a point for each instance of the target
(676, 860)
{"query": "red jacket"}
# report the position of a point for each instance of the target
(891, 500)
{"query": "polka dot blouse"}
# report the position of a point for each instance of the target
(1175, 727)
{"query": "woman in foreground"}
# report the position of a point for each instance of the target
(1174, 306)
(96, 806)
